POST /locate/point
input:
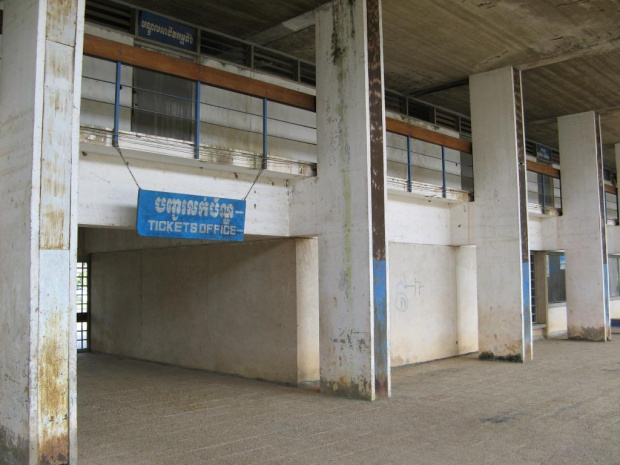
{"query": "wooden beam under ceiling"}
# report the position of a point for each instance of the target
(405, 129)
(543, 169)
(114, 51)
(142, 58)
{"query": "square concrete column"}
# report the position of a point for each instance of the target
(500, 224)
(39, 112)
(354, 333)
(582, 228)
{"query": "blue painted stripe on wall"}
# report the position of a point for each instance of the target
(379, 271)
(606, 293)
(527, 312)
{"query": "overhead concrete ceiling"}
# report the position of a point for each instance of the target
(569, 50)
(237, 18)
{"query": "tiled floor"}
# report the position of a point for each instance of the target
(562, 408)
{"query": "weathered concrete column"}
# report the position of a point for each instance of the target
(354, 333)
(39, 113)
(582, 228)
(500, 216)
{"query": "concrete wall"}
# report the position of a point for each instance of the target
(466, 300)
(228, 308)
(215, 307)
(615, 308)
(433, 302)
(417, 221)
(557, 322)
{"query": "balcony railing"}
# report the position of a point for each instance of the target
(150, 101)
(611, 204)
(431, 169)
(544, 189)
(160, 111)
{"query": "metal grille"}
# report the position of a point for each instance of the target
(395, 102)
(275, 63)
(225, 48)
(82, 306)
(110, 14)
(307, 73)
(421, 111)
(465, 127)
(448, 120)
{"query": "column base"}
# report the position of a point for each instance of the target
(351, 390)
(513, 358)
(579, 333)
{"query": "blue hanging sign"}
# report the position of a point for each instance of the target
(543, 153)
(164, 30)
(182, 216)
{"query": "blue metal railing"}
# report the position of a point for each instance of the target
(427, 164)
(195, 118)
(424, 167)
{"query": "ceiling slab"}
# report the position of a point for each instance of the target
(237, 18)
(432, 42)
(569, 49)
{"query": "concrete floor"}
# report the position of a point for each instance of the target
(562, 408)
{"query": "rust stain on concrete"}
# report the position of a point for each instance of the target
(53, 229)
(346, 387)
(53, 394)
(61, 21)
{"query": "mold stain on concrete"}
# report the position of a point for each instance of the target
(587, 333)
(487, 355)
(13, 450)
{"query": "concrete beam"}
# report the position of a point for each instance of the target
(354, 333)
(601, 48)
(583, 227)
(40, 102)
(500, 221)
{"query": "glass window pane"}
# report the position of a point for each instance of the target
(614, 275)
(556, 279)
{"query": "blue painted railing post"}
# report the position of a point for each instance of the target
(265, 133)
(408, 163)
(117, 104)
(443, 171)
(197, 128)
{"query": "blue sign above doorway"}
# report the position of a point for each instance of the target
(183, 216)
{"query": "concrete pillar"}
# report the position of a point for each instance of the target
(583, 232)
(500, 216)
(354, 333)
(39, 113)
